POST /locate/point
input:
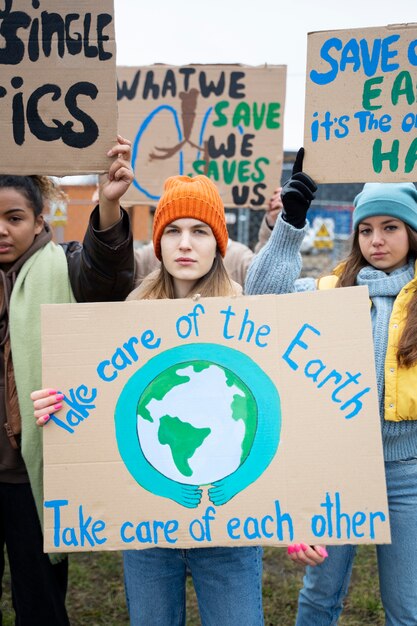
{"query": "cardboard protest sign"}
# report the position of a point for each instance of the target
(58, 105)
(223, 421)
(360, 114)
(225, 121)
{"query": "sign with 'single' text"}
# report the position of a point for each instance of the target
(225, 121)
(222, 421)
(361, 117)
(58, 107)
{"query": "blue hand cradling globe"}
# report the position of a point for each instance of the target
(183, 422)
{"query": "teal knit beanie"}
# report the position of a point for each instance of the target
(394, 199)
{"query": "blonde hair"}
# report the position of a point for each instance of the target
(160, 284)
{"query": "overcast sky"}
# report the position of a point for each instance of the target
(252, 32)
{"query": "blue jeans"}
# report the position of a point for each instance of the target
(227, 581)
(321, 599)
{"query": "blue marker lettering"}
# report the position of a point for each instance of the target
(228, 314)
(200, 530)
(297, 342)
(324, 78)
(370, 60)
(56, 505)
(343, 525)
(411, 52)
(388, 54)
(101, 371)
(90, 536)
(147, 338)
(123, 529)
(281, 519)
(264, 520)
(343, 129)
(254, 533)
(233, 525)
(191, 322)
(373, 517)
(356, 54)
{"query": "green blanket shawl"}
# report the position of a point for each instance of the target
(43, 279)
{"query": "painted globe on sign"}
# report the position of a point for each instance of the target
(196, 422)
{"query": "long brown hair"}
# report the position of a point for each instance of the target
(215, 283)
(407, 347)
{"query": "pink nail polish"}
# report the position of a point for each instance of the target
(46, 418)
(290, 549)
(51, 392)
(59, 396)
(297, 547)
(323, 552)
(304, 546)
(58, 406)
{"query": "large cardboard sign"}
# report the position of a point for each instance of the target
(225, 121)
(58, 106)
(223, 421)
(360, 114)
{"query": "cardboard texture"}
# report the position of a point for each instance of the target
(226, 421)
(58, 112)
(360, 113)
(225, 121)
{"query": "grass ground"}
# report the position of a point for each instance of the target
(96, 594)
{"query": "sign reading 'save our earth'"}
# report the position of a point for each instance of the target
(58, 106)
(181, 423)
(360, 114)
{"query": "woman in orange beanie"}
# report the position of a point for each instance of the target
(190, 239)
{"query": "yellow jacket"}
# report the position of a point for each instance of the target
(400, 382)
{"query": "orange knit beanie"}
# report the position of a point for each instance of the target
(197, 198)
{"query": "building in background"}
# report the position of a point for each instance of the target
(73, 225)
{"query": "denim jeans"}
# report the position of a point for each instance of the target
(227, 581)
(321, 599)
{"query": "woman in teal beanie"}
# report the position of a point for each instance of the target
(383, 257)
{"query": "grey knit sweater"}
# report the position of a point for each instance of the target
(276, 269)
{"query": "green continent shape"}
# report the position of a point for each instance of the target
(244, 408)
(158, 388)
(199, 366)
(183, 439)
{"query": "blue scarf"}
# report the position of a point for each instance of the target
(383, 289)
